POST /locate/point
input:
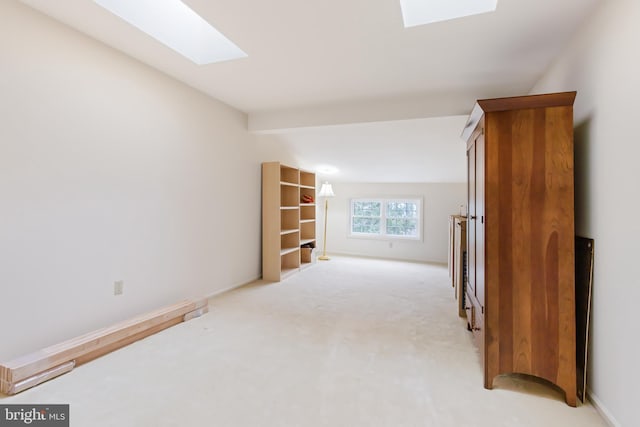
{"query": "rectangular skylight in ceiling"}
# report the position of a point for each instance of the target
(419, 12)
(177, 26)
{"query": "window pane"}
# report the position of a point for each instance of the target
(402, 227)
(367, 208)
(402, 209)
(366, 225)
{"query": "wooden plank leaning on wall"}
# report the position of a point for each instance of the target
(35, 368)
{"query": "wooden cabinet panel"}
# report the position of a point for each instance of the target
(460, 247)
(520, 153)
(471, 215)
(457, 255)
(479, 221)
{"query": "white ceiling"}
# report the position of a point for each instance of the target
(327, 62)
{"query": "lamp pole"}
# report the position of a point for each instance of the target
(326, 191)
(324, 256)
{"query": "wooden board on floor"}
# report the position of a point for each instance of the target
(39, 366)
(584, 284)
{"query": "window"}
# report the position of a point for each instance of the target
(389, 218)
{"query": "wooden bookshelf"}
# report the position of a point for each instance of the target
(288, 219)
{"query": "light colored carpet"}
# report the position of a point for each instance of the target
(348, 342)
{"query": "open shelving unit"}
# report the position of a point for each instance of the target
(287, 221)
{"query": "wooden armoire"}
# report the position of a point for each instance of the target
(519, 296)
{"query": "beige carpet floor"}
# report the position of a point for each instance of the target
(348, 342)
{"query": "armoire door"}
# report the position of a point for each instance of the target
(479, 221)
(471, 224)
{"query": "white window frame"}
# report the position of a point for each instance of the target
(383, 218)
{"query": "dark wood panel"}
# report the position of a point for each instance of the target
(471, 219)
(560, 217)
(450, 249)
(544, 337)
(522, 143)
(495, 304)
(584, 281)
(480, 221)
(560, 99)
(475, 321)
(459, 273)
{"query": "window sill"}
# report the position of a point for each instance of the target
(384, 237)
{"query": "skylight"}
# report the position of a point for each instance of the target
(419, 12)
(177, 26)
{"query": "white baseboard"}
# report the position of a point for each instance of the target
(602, 410)
(357, 255)
(230, 288)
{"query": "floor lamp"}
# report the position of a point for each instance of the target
(325, 191)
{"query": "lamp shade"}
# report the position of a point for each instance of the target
(326, 190)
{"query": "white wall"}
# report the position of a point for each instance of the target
(439, 201)
(603, 65)
(270, 148)
(109, 171)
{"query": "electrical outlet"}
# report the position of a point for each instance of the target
(118, 287)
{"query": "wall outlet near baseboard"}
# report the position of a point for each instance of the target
(118, 287)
